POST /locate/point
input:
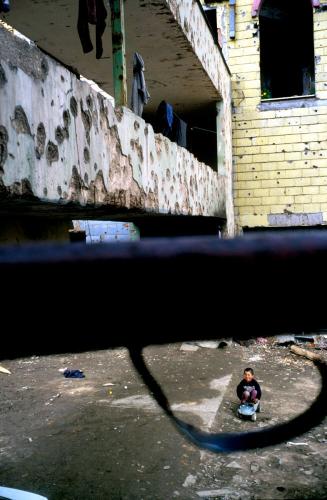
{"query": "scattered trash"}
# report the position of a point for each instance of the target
(208, 344)
(254, 358)
(30, 439)
(166, 467)
(321, 342)
(189, 346)
(4, 370)
(62, 370)
(234, 465)
(290, 443)
(125, 387)
(315, 341)
(51, 400)
(189, 481)
(244, 342)
(284, 340)
(107, 384)
(254, 467)
(222, 493)
(224, 343)
(262, 340)
(73, 374)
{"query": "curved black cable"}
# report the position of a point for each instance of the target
(240, 441)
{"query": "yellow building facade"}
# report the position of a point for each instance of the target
(279, 141)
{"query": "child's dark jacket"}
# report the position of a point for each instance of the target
(248, 386)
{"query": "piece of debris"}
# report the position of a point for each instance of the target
(189, 346)
(234, 465)
(4, 370)
(244, 342)
(51, 400)
(320, 342)
(224, 343)
(189, 481)
(74, 374)
(291, 443)
(284, 340)
(254, 467)
(305, 353)
(255, 358)
(208, 344)
(222, 493)
(107, 384)
(166, 467)
(261, 340)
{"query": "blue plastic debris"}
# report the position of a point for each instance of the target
(13, 494)
(74, 374)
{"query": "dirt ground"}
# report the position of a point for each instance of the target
(76, 439)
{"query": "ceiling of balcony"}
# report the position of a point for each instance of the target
(173, 71)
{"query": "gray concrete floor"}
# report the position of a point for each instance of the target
(83, 439)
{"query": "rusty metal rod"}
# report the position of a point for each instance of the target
(70, 298)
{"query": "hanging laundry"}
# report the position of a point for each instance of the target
(140, 94)
(4, 6)
(170, 125)
(179, 134)
(91, 12)
(164, 119)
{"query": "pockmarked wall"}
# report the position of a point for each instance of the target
(61, 142)
(188, 15)
(280, 149)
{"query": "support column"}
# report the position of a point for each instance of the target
(118, 52)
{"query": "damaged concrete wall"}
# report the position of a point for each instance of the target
(62, 142)
(280, 150)
(192, 22)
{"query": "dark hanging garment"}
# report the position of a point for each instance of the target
(170, 125)
(101, 15)
(164, 119)
(179, 134)
(4, 6)
(91, 12)
(140, 94)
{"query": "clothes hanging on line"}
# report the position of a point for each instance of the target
(140, 94)
(91, 12)
(180, 131)
(169, 124)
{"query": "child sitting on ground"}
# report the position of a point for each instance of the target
(248, 390)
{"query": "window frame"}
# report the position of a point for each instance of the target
(257, 4)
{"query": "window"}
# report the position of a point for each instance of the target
(286, 48)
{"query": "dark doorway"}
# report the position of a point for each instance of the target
(286, 48)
